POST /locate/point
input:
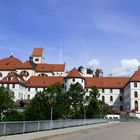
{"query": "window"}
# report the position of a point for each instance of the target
(73, 79)
(13, 86)
(136, 105)
(111, 90)
(28, 89)
(0, 74)
(37, 59)
(82, 80)
(136, 94)
(9, 78)
(36, 89)
(135, 84)
(103, 90)
(65, 80)
(103, 98)
(121, 98)
(65, 88)
(111, 98)
(121, 108)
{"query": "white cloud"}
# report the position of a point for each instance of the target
(94, 63)
(128, 66)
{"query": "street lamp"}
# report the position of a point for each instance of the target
(85, 113)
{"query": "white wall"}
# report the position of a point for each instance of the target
(69, 81)
(116, 103)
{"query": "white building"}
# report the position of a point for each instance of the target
(25, 79)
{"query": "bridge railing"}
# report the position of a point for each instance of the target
(7, 128)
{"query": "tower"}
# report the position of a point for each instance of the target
(99, 73)
(37, 55)
(73, 77)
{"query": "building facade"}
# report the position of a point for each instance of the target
(25, 79)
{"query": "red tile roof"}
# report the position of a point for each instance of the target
(13, 77)
(37, 52)
(135, 76)
(27, 65)
(106, 82)
(10, 63)
(43, 81)
(50, 68)
(74, 73)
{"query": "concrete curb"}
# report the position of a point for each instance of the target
(50, 133)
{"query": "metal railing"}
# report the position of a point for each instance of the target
(7, 128)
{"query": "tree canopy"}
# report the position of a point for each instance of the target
(72, 104)
(6, 101)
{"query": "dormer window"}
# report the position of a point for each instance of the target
(9, 78)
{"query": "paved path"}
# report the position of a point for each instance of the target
(44, 134)
(120, 131)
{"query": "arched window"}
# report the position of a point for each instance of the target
(103, 98)
(111, 98)
(136, 105)
(136, 94)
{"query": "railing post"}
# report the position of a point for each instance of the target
(24, 127)
(38, 127)
(4, 128)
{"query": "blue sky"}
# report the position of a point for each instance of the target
(93, 33)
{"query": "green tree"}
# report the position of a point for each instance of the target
(6, 101)
(38, 108)
(95, 107)
(75, 99)
(13, 115)
(41, 104)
